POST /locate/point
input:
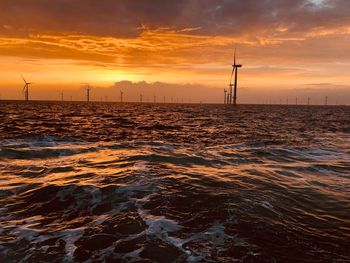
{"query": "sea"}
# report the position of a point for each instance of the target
(112, 182)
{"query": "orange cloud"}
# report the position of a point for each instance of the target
(289, 43)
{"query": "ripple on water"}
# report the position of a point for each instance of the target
(265, 193)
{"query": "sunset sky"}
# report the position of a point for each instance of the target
(180, 49)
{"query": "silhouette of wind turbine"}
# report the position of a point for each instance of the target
(88, 90)
(121, 96)
(26, 89)
(232, 96)
(235, 67)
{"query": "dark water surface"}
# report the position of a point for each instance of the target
(105, 182)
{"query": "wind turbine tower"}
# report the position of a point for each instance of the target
(26, 89)
(225, 96)
(88, 89)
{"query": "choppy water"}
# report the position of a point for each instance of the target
(106, 182)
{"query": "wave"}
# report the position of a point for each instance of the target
(159, 201)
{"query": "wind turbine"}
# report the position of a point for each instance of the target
(26, 89)
(235, 68)
(121, 96)
(88, 90)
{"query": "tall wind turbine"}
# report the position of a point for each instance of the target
(235, 66)
(26, 89)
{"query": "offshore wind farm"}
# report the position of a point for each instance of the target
(230, 94)
(174, 131)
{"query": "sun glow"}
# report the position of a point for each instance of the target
(273, 56)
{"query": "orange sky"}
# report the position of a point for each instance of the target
(287, 48)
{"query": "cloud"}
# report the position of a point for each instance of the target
(125, 18)
(167, 91)
(279, 41)
(176, 32)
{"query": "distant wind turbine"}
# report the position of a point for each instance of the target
(88, 90)
(26, 89)
(121, 96)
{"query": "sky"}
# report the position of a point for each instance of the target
(179, 49)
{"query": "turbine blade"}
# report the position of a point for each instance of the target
(233, 71)
(23, 79)
(234, 58)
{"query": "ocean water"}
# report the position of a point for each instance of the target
(104, 182)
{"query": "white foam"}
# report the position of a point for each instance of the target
(70, 237)
(158, 224)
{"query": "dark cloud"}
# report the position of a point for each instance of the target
(123, 18)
